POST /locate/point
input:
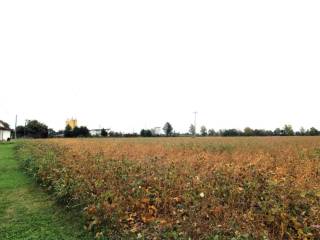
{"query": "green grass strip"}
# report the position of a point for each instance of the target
(26, 212)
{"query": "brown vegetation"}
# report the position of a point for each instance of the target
(180, 188)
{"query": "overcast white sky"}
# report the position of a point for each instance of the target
(129, 65)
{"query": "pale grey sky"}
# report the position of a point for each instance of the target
(129, 65)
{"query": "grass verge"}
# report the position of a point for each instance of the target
(26, 212)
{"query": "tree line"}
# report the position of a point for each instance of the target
(287, 130)
(36, 129)
(81, 131)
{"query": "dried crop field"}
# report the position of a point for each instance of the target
(185, 188)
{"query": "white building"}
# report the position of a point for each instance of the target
(156, 131)
(97, 132)
(5, 132)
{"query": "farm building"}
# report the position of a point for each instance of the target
(97, 132)
(72, 123)
(5, 131)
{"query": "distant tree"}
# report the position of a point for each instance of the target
(83, 132)
(231, 132)
(60, 133)
(269, 133)
(142, 133)
(51, 132)
(146, 133)
(248, 131)
(20, 131)
(203, 131)
(277, 132)
(175, 134)
(115, 134)
(192, 129)
(313, 131)
(287, 130)
(76, 132)
(259, 132)
(167, 128)
(212, 132)
(35, 129)
(302, 131)
(130, 135)
(68, 131)
(149, 133)
(104, 132)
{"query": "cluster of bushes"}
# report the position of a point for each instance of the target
(146, 133)
(84, 132)
(121, 134)
(32, 129)
(76, 132)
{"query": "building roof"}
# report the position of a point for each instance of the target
(4, 126)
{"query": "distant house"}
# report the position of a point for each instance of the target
(5, 132)
(156, 131)
(95, 132)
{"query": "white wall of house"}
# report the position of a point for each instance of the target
(95, 132)
(4, 135)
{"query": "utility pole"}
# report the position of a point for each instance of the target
(15, 128)
(25, 125)
(195, 124)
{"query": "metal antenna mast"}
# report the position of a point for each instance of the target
(195, 123)
(15, 128)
